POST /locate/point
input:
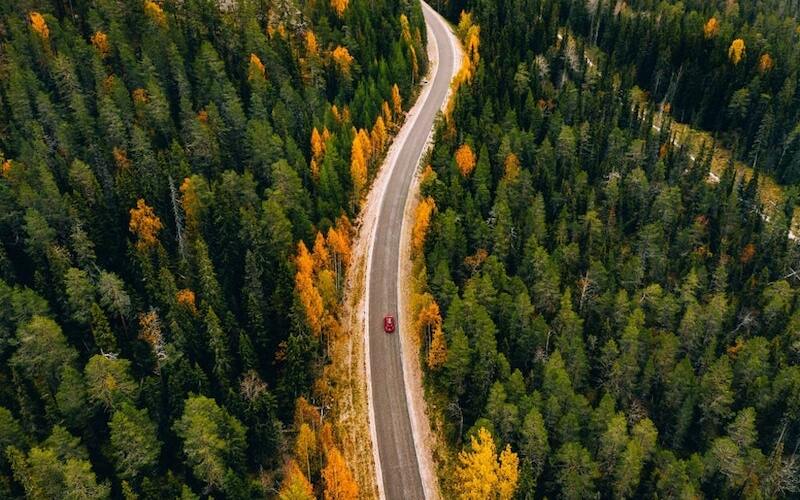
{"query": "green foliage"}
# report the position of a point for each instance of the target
(106, 104)
(624, 320)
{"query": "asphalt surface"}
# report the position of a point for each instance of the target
(399, 467)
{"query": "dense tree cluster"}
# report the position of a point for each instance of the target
(166, 165)
(725, 66)
(627, 324)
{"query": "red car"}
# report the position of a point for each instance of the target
(388, 323)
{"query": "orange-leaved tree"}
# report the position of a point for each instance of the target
(765, 63)
(711, 28)
(312, 46)
(145, 224)
(256, 69)
(306, 291)
(339, 6)
(422, 221)
(465, 159)
(100, 42)
(339, 482)
(342, 59)
(39, 25)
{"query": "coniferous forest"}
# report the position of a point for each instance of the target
(166, 167)
(601, 317)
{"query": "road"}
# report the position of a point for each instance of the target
(397, 465)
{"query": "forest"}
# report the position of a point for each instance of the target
(178, 180)
(599, 316)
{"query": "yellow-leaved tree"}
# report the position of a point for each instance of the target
(397, 101)
(511, 168)
(295, 485)
(155, 12)
(378, 136)
(358, 167)
(465, 160)
(305, 446)
(481, 474)
(736, 51)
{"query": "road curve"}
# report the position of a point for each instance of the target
(397, 464)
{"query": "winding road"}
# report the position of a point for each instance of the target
(395, 438)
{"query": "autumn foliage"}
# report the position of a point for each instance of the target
(482, 475)
(256, 69)
(397, 101)
(295, 485)
(155, 12)
(736, 51)
(145, 225)
(39, 25)
(342, 59)
(765, 63)
(465, 160)
(100, 42)
(358, 165)
(307, 292)
(186, 298)
(312, 46)
(339, 481)
(711, 28)
(339, 6)
(422, 221)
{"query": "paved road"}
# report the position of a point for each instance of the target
(399, 467)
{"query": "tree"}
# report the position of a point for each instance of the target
(42, 353)
(339, 482)
(213, 440)
(576, 471)
(481, 474)
(145, 225)
(339, 6)
(422, 221)
(736, 51)
(109, 381)
(465, 160)
(711, 28)
(80, 294)
(134, 441)
(358, 166)
(397, 102)
(295, 485)
(305, 446)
